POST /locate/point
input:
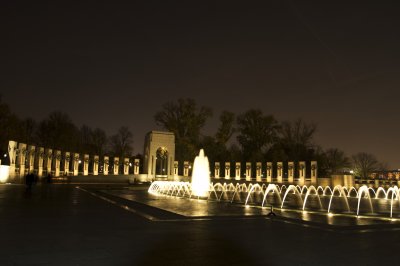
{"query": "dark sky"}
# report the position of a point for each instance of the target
(107, 64)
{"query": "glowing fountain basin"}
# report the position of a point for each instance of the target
(201, 176)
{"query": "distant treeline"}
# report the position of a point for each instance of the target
(248, 137)
(255, 137)
(57, 131)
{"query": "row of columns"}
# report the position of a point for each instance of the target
(269, 173)
(28, 158)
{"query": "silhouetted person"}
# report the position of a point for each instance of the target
(29, 180)
(48, 178)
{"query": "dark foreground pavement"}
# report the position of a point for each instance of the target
(63, 225)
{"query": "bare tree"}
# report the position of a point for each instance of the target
(99, 141)
(121, 143)
(58, 131)
(364, 164)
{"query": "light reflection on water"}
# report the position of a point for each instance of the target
(197, 208)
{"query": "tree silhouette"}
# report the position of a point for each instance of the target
(256, 133)
(121, 143)
(364, 164)
(185, 120)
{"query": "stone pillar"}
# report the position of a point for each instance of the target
(268, 172)
(57, 162)
(258, 171)
(302, 173)
(227, 170)
(67, 159)
(40, 161)
(376, 181)
(290, 172)
(314, 173)
(136, 167)
(48, 160)
(96, 165)
(116, 165)
(31, 158)
(106, 164)
(85, 164)
(279, 172)
(217, 169)
(238, 171)
(248, 171)
(21, 158)
(12, 153)
(126, 166)
(75, 163)
(176, 169)
(185, 168)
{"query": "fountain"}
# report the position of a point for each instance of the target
(348, 201)
(201, 176)
(332, 201)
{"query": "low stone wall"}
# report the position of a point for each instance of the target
(94, 179)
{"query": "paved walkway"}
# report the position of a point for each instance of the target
(63, 225)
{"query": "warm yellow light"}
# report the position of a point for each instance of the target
(201, 176)
(4, 172)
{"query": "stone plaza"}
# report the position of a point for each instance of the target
(61, 224)
(99, 216)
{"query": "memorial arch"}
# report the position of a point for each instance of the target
(159, 155)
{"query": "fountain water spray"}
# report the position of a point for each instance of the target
(258, 194)
(201, 176)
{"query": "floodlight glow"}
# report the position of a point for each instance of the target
(4, 172)
(201, 176)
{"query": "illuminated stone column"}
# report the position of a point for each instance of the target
(185, 168)
(75, 166)
(21, 158)
(40, 161)
(96, 165)
(279, 172)
(126, 166)
(176, 170)
(376, 183)
(302, 173)
(268, 172)
(12, 153)
(106, 164)
(85, 164)
(57, 162)
(31, 158)
(290, 172)
(116, 165)
(217, 169)
(314, 173)
(48, 160)
(136, 167)
(248, 171)
(67, 159)
(258, 171)
(237, 170)
(227, 170)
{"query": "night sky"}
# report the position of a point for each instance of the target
(107, 64)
